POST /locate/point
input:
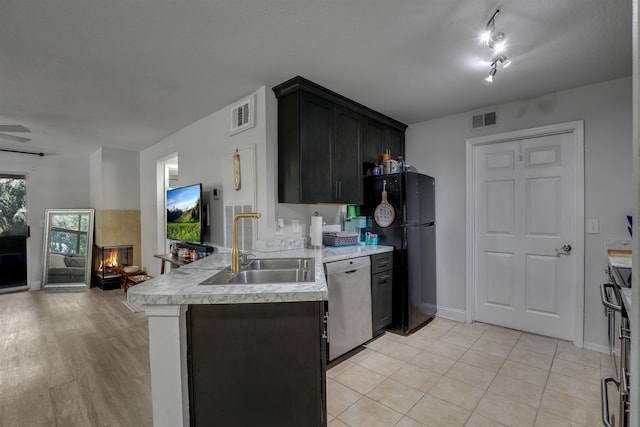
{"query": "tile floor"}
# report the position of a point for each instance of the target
(457, 374)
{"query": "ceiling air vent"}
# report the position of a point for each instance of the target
(242, 115)
(484, 120)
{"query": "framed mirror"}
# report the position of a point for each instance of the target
(67, 248)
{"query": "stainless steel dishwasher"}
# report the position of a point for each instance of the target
(349, 320)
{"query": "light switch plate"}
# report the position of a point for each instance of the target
(593, 226)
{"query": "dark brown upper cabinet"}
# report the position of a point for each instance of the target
(325, 144)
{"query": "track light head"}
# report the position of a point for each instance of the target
(492, 73)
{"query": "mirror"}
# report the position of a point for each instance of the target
(67, 248)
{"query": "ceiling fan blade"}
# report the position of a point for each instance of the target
(13, 128)
(14, 138)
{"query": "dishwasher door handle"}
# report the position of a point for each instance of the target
(350, 271)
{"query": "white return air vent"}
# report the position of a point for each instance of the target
(243, 115)
(484, 120)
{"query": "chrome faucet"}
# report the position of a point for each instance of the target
(235, 252)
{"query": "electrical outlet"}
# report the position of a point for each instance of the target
(295, 226)
(593, 227)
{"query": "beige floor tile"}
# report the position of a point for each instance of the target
(573, 409)
(458, 338)
(545, 419)
(429, 332)
(336, 370)
(505, 410)
(482, 360)
(367, 413)
(520, 391)
(395, 395)
(578, 355)
(433, 362)
(456, 392)
(339, 397)
(435, 412)
(537, 343)
(442, 323)
(418, 341)
(524, 373)
(492, 348)
(361, 355)
(416, 377)
(577, 370)
(382, 364)
(379, 342)
(409, 422)
(445, 349)
(476, 420)
(501, 335)
(360, 379)
(585, 390)
(399, 351)
(530, 358)
(336, 423)
(475, 329)
(471, 375)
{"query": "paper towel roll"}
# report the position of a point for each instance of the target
(315, 231)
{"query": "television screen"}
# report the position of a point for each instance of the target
(184, 214)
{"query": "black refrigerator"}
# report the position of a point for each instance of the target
(410, 227)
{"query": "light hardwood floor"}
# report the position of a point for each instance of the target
(82, 359)
(73, 359)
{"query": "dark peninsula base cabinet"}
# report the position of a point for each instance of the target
(257, 364)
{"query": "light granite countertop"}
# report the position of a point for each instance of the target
(181, 286)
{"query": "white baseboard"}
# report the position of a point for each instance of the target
(451, 313)
(596, 347)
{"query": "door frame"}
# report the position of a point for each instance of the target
(577, 129)
(21, 173)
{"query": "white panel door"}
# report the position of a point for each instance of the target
(524, 215)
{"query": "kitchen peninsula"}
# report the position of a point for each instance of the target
(180, 310)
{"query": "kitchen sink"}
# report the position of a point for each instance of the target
(272, 276)
(267, 270)
(280, 264)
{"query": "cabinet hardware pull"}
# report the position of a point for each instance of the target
(604, 397)
(605, 299)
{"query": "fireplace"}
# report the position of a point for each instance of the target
(108, 264)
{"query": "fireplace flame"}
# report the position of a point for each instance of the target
(111, 260)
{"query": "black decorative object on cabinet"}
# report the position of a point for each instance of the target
(321, 140)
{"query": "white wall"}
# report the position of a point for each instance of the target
(437, 148)
(53, 182)
(114, 177)
(201, 148)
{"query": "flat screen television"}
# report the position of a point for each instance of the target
(184, 214)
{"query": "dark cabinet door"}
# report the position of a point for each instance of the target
(317, 140)
(347, 157)
(381, 295)
(373, 143)
(381, 291)
(379, 139)
(257, 364)
(394, 142)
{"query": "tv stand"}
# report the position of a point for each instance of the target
(195, 247)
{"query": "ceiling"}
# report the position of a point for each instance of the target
(127, 73)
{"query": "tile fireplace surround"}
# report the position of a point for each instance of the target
(119, 227)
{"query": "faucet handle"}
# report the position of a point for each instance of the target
(244, 257)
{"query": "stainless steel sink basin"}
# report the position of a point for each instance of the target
(267, 270)
(280, 264)
(272, 276)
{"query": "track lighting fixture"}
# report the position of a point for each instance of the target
(491, 74)
(497, 43)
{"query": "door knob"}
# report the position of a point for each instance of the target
(565, 249)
